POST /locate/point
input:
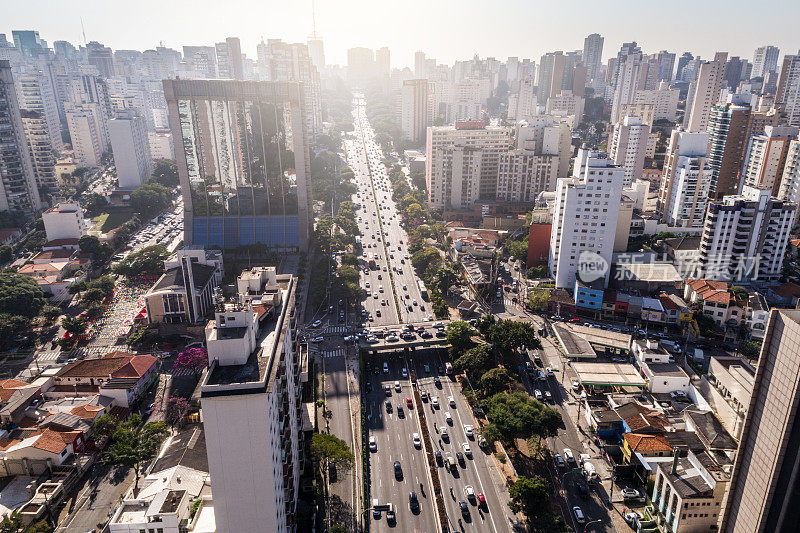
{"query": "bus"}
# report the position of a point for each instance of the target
(371, 261)
(358, 243)
(422, 290)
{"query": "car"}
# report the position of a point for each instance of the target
(404, 372)
(548, 396)
(579, 517)
(576, 385)
(391, 518)
(538, 394)
(373, 444)
(388, 406)
(549, 371)
(469, 492)
(481, 500)
(415, 439)
(415, 302)
(410, 403)
(632, 517)
(560, 461)
(629, 493)
(435, 402)
(445, 435)
(317, 339)
(468, 430)
(424, 396)
(400, 413)
(440, 333)
(366, 284)
(568, 455)
(482, 441)
(375, 295)
(439, 460)
(467, 450)
(413, 502)
(448, 418)
(451, 401)
(464, 508)
(583, 490)
(398, 470)
(316, 323)
(460, 458)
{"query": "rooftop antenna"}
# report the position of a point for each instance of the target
(83, 31)
(314, 20)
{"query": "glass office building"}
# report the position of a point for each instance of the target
(243, 160)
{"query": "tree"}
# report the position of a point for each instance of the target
(104, 426)
(133, 444)
(104, 283)
(151, 199)
(425, 259)
(495, 380)
(51, 312)
(77, 287)
(538, 300)
(20, 295)
(459, 335)
(10, 327)
(750, 349)
(93, 295)
(518, 249)
(195, 359)
(530, 496)
(331, 452)
(475, 362)
(73, 326)
(94, 202)
(89, 244)
(176, 410)
(6, 254)
(445, 278)
(165, 172)
(147, 261)
(518, 416)
(537, 272)
(508, 335)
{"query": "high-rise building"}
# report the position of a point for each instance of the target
(626, 49)
(83, 121)
(765, 60)
(414, 110)
(766, 157)
(685, 183)
(252, 406)
(585, 220)
(733, 72)
(102, 57)
(524, 102)
(461, 163)
(420, 65)
(360, 64)
(704, 93)
(789, 190)
(383, 61)
(683, 61)
(593, 55)
(663, 99)
(29, 43)
(763, 495)
(628, 147)
(745, 236)
(18, 190)
(229, 59)
(35, 93)
(466, 102)
(236, 143)
(787, 96)
(317, 52)
(666, 65)
(131, 149)
(728, 136)
(551, 76)
(36, 133)
(201, 60)
(628, 82)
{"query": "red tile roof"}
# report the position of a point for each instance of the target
(61, 242)
(720, 297)
(788, 290)
(115, 365)
(668, 303)
(87, 412)
(136, 367)
(639, 442)
(9, 387)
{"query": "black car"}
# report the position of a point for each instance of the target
(413, 502)
(439, 460)
(390, 517)
(460, 458)
(398, 470)
(388, 406)
(440, 333)
(583, 490)
(437, 382)
(464, 508)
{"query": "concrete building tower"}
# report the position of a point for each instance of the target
(629, 147)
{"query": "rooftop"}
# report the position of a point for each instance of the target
(655, 272)
(711, 430)
(173, 279)
(609, 374)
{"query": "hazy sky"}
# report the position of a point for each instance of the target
(444, 29)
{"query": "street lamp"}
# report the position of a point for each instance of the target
(591, 522)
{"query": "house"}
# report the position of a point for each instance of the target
(757, 315)
(65, 221)
(786, 295)
(683, 253)
(122, 376)
(712, 433)
(645, 444)
(15, 398)
(53, 447)
(674, 312)
(717, 301)
(653, 311)
(561, 303)
(588, 296)
(637, 418)
(663, 378)
(605, 422)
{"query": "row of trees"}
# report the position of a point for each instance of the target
(146, 262)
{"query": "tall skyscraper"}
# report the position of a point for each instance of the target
(787, 96)
(626, 49)
(383, 61)
(628, 147)
(101, 57)
(764, 495)
(704, 93)
(628, 80)
(28, 42)
(682, 62)
(729, 133)
(131, 149)
(766, 157)
(666, 65)
(360, 64)
(733, 72)
(420, 65)
(35, 93)
(593, 55)
(414, 110)
(765, 59)
(235, 144)
(18, 190)
(551, 76)
(41, 151)
(585, 219)
(229, 59)
(316, 50)
(685, 183)
(83, 122)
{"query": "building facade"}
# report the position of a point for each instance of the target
(728, 137)
(685, 183)
(414, 110)
(131, 149)
(628, 147)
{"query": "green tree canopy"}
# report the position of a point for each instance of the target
(459, 335)
(20, 295)
(6, 254)
(518, 249)
(147, 261)
(165, 172)
(530, 495)
(496, 380)
(516, 415)
(133, 444)
(331, 450)
(539, 299)
(475, 362)
(73, 326)
(151, 199)
(508, 335)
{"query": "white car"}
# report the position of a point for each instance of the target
(469, 492)
(549, 371)
(404, 372)
(435, 402)
(451, 401)
(373, 444)
(448, 418)
(468, 431)
(538, 394)
(467, 449)
(397, 386)
(568, 455)
(416, 441)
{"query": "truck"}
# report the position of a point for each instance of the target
(422, 290)
(448, 368)
(699, 356)
(589, 471)
(358, 243)
(371, 261)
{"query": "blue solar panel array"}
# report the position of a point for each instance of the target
(276, 231)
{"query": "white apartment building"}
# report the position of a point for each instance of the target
(766, 157)
(462, 161)
(65, 221)
(704, 93)
(41, 150)
(131, 149)
(84, 131)
(585, 218)
(686, 181)
(523, 104)
(466, 101)
(566, 104)
(252, 420)
(745, 236)
(628, 147)
(787, 96)
(161, 146)
(790, 181)
(628, 79)
(35, 93)
(438, 102)
(663, 99)
(765, 60)
(414, 110)
(593, 55)
(522, 175)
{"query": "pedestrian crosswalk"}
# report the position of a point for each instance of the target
(338, 352)
(46, 356)
(339, 329)
(181, 371)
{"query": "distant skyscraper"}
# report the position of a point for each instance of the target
(551, 76)
(729, 132)
(18, 190)
(764, 495)
(666, 65)
(685, 180)
(593, 55)
(28, 42)
(220, 128)
(383, 61)
(101, 57)
(420, 70)
(628, 79)
(733, 72)
(682, 62)
(787, 96)
(766, 157)
(229, 59)
(414, 110)
(131, 149)
(360, 64)
(628, 147)
(704, 93)
(765, 59)
(316, 50)
(625, 50)
(41, 150)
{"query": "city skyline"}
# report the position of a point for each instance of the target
(409, 31)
